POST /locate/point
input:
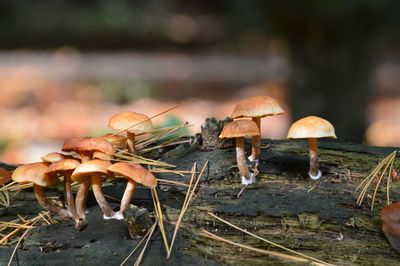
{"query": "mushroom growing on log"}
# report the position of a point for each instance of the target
(134, 173)
(36, 173)
(239, 129)
(133, 123)
(85, 147)
(312, 128)
(256, 108)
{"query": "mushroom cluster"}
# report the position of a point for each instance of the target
(255, 108)
(87, 161)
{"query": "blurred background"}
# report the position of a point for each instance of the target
(67, 66)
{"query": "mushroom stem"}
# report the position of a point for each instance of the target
(41, 198)
(314, 168)
(79, 223)
(131, 142)
(256, 141)
(108, 213)
(83, 190)
(241, 162)
(127, 197)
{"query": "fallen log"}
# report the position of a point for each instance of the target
(317, 218)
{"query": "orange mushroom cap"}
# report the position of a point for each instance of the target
(53, 157)
(88, 144)
(135, 172)
(240, 128)
(131, 121)
(62, 166)
(5, 176)
(84, 170)
(258, 106)
(311, 127)
(34, 173)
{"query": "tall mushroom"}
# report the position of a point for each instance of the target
(312, 128)
(134, 173)
(390, 219)
(256, 108)
(96, 169)
(85, 147)
(64, 168)
(133, 123)
(36, 173)
(239, 129)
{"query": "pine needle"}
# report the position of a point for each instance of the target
(141, 241)
(157, 207)
(139, 259)
(258, 250)
(268, 241)
(188, 198)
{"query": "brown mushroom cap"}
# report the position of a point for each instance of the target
(240, 128)
(311, 127)
(53, 157)
(84, 170)
(5, 176)
(88, 144)
(258, 106)
(101, 156)
(135, 172)
(118, 141)
(131, 122)
(62, 166)
(34, 173)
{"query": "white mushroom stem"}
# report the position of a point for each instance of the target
(127, 197)
(79, 223)
(256, 142)
(108, 213)
(241, 161)
(314, 172)
(41, 198)
(131, 142)
(83, 190)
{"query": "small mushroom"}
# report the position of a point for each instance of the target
(85, 147)
(36, 173)
(239, 129)
(134, 173)
(64, 168)
(133, 123)
(53, 157)
(312, 128)
(95, 169)
(256, 108)
(5, 176)
(390, 219)
(118, 141)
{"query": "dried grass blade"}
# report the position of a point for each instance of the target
(157, 207)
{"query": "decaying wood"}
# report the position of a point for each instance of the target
(317, 218)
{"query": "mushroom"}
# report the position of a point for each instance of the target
(239, 129)
(134, 173)
(36, 173)
(312, 128)
(95, 169)
(118, 141)
(390, 218)
(64, 168)
(256, 108)
(5, 176)
(85, 147)
(53, 157)
(133, 123)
